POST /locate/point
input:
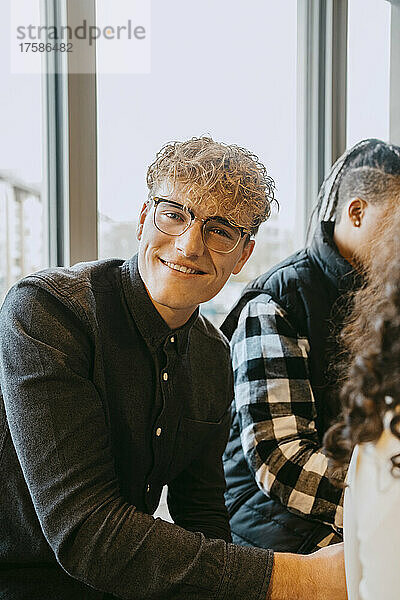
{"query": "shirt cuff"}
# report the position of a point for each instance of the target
(247, 574)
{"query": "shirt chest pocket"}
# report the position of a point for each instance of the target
(192, 439)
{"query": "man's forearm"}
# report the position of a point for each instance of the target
(317, 576)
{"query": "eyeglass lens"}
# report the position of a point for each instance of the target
(217, 235)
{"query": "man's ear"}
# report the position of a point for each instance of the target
(142, 217)
(247, 252)
(356, 211)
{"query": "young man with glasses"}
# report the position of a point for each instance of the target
(115, 386)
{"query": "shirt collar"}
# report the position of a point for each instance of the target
(151, 325)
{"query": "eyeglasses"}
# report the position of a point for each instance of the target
(217, 233)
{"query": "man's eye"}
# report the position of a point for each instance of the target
(221, 232)
(174, 216)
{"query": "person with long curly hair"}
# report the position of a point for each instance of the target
(369, 431)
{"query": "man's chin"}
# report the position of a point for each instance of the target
(175, 305)
(171, 301)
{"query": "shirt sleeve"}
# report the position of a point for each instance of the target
(60, 430)
(351, 543)
(196, 496)
(276, 407)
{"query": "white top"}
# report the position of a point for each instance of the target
(372, 522)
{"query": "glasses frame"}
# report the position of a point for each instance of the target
(156, 201)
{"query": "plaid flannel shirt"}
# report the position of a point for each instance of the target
(277, 412)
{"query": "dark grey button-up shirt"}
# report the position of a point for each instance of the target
(102, 405)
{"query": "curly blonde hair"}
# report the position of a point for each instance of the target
(229, 180)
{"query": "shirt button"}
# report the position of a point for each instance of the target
(158, 431)
(165, 376)
(148, 488)
(172, 339)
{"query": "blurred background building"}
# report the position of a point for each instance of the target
(22, 236)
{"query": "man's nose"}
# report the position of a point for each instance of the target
(190, 243)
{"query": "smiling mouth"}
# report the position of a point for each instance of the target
(181, 268)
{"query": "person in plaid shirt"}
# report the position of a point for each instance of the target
(283, 332)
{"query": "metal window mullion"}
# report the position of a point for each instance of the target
(82, 123)
(70, 136)
(339, 38)
(394, 109)
(55, 141)
(335, 81)
(310, 105)
(321, 114)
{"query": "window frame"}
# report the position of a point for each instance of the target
(321, 84)
(394, 94)
(71, 142)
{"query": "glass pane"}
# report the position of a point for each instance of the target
(23, 239)
(223, 69)
(368, 70)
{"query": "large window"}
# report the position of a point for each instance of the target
(219, 68)
(23, 230)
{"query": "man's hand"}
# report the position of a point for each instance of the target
(317, 576)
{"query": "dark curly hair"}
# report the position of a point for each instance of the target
(372, 340)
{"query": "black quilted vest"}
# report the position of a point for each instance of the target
(312, 287)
